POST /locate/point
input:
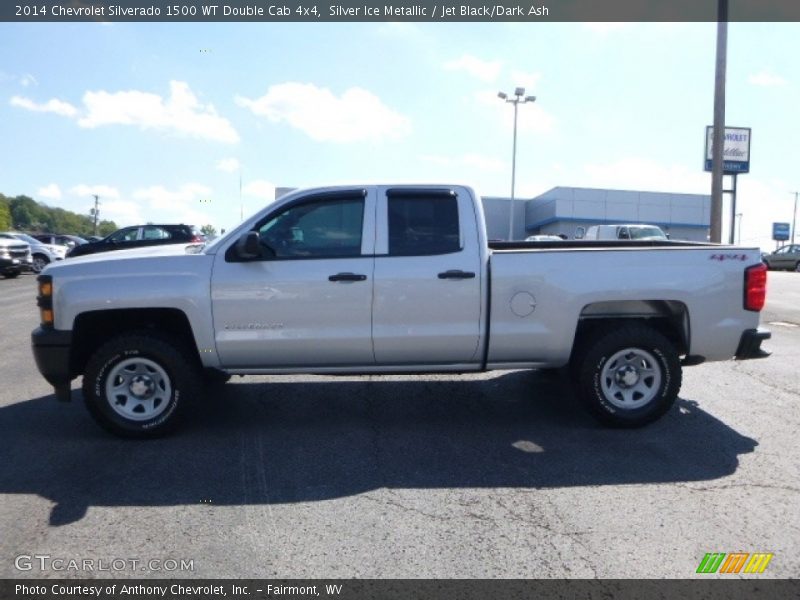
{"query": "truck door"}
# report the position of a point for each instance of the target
(427, 278)
(307, 300)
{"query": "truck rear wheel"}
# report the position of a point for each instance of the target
(630, 376)
(139, 384)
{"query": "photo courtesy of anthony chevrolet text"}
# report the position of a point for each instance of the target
(399, 300)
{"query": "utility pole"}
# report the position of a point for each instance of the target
(96, 211)
(794, 216)
(717, 155)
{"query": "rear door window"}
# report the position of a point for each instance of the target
(423, 225)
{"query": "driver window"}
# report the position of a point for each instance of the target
(126, 235)
(322, 229)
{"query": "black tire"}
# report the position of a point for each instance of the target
(163, 370)
(629, 377)
(11, 274)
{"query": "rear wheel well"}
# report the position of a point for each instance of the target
(92, 329)
(669, 318)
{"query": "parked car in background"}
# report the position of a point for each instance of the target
(787, 257)
(60, 239)
(15, 257)
(624, 231)
(43, 254)
(138, 236)
(544, 238)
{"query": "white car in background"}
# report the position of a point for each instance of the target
(43, 254)
(543, 237)
(625, 231)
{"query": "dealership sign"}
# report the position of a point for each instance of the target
(735, 150)
(780, 232)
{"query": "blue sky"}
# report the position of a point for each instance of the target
(162, 119)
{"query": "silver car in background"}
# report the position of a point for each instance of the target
(787, 257)
(43, 254)
(15, 257)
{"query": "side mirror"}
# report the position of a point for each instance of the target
(579, 233)
(248, 247)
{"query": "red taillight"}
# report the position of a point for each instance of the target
(755, 287)
(196, 239)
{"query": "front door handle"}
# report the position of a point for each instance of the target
(457, 274)
(347, 277)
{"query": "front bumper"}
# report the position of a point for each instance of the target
(51, 351)
(750, 344)
(15, 265)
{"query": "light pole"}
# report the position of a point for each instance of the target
(794, 215)
(739, 216)
(519, 98)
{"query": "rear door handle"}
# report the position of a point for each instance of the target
(457, 274)
(347, 277)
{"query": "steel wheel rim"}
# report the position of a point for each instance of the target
(631, 378)
(39, 264)
(138, 389)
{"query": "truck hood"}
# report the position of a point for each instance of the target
(126, 261)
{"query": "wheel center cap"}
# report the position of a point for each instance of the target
(141, 386)
(627, 376)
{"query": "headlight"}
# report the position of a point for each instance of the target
(45, 300)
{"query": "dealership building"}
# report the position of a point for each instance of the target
(562, 210)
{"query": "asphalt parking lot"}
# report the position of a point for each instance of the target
(490, 475)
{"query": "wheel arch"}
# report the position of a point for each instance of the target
(668, 317)
(92, 329)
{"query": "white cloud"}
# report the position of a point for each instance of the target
(51, 191)
(104, 191)
(485, 70)
(356, 115)
(531, 116)
(182, 113)
(28, 80)
(229, 165)
(122, 212)
(182, 205)
(53, 105)
(260, 189)
(766, 79)
(161, 198)
(470, 161)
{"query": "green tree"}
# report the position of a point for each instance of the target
(208, 230)
(25, 214)
(5, 213)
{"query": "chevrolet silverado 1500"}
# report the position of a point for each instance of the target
(391, 279)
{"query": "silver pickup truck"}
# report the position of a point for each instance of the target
(391, 279)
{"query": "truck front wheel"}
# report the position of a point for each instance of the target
(630, 376)
(138, 385)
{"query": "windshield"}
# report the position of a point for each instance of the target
(27, 238)
(640, 233)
